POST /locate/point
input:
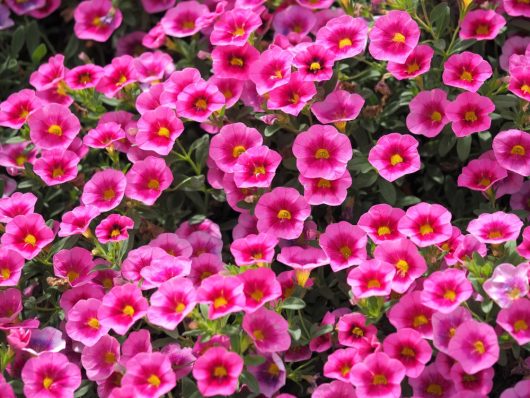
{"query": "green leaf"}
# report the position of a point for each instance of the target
(440, 18)
(293, 303)
(39, 53)
(251, 382)
(387, 191)
(254, 360)
(271, 130)
(295, 334)
(463, 148)
(32, 37)
(17, 41)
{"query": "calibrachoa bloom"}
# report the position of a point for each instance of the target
(446, 290)
(147, 179)
(344, 244)
(395, 155)
(417, 63)
(217, 372)
(50, 375)
(253, 249)
(512, 151)
(481, 25)
(378, 375)
(83, 323)
(426, 224)
(474, 346)
(104, 190)
(114, 228)
(427, 113)
(497, 227)
(223, 295)
(53, 126)
(158, 129)
(380, 222)
(282, 212)
(322, 152)
(466, 70)
(469, 113)
(292, 96)
(268, 330)
(150, 374)
(407, 346)
(27, 235)
(516, 320)
(96, 20)
(272, 69)
(371, 278)
(234, 27)
(508, 284)
(344, 36)
(260, 287)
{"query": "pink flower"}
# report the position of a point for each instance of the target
(83, 323)
(474, 346)
(371, 278)
(409, 312)
(120, 73)
(197, 101)
(426, 224)
(158, 129)
(507, 284)
(408, 347)
(393, 37)
(329, 390)
(253, 249)
(267, 330)
(121, 307)
(294, 20)
(184, 19)
(378, 375)
(513, 45)
(498, 227)
(516, 320)
(150, 374)
(49, 74)
(104, 190)
(381, 222)
(427, 113)
(432, 384)
(153, 67)
(314, 63)
(466, 70)
(26, 7)
(53, 126)
(338, 107)
(83, 76)
(445, 290)
(11, 264)
(344, 244)
(15, 156)
(56, 166)
(174, 85)
(27, 234)
(407, 260)
(170, 304)
(234, 27)
(271, 70)
(319, 191)
(292, 96)
(217, 372)
(100, 359)
(322, 152)
(75, 265)
(481, 174)
(353, 331)
(395, 155)
(444, 326)
(479, 383)
(417, 63)
(344, 36)
(114, 228)
(340, 362)
(50, 375)
(104, 135)
(231, 142)
(14, 111)
(77, 221)
(10, 306)
(18, 204)
(481, 25)
(469, 113)
(282, 212)
(302, 258)
(223, 295)
(256, 167)
(260, 287)
(147, 179)
(96, 20)
(234, 62)
(512, 151)
(516, 8)
(230, 88)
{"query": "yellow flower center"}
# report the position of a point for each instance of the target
(153, 184)
(345, 370)
(426, 229)
(373, 283)
(470, 116)
(115, 232)
(109, 358)
(408, 352)
(238, 32)
(314, 66)
(479, 347)
(201, 104)
(452, 332)
(180, 307)
(219, 302)
(514, 293)
(257, 295)
(163, 132)
(383, 230)
(520, 325)
(23, 113)
(403, 267)
(346, 42)
(467, 76)
(258, 170)
(396, 159)
(495, 234)
(419, 320)
(47, 382)
(30, 240)
(220, 371)
(435, 389)
(273, 369)
(72, 275)
(57, 172)
(128, 310)
(346, 252)
(322, 154)
(379, 379)
(6, 273)
(21, 159)
(436, 116)
(109, 194)
(485, 182)
(55, 129)
(258, 335)
(154, 380)
(518, 150)
(228, 94)
(235, 61)
(357, 331)
(284, 214)
(323, 183)
(96, 21)
(413, 67)
(482, 30)
(93, 323)
(398, 38)
(450, 295)
(525, 88)
(188, 25)
(295, 98)
(238, 151)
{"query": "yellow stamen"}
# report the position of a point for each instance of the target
(435, 389)
(72, 275)
(220, 371)
(6, 273)
(346, 252)
(383, 230)
(219, 302)
(373, 283)
(55, 129)
(57, 172)
(402, 267)
(314, 66)
(47, 382)
(420, 320)
(235, 61)
(379, 379)
(482, 30)
(109, 194)
(518, 150)
(238, 32)
(258, 335)
(154, 380)
(467, 76)
(93, 323)
(258, 170)
(495, 234)
(396, 159)
(357, 331)
(163, 132)
(436, 116)
(398, 38)
(413, 67)
(479, 347)
(470, 116)
(273, 369)
(322, 154)
(426, 229)
(30, 240)
(520, 325)
(450, 295)
(180, 307)
(109, 358)
(128, 310)
(257, 295)
(153, 184)
(238, 151)
(408, 352)
(284, 214)
(323, 183)
(346, 42)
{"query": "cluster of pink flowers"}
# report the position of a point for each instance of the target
(303, 284)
